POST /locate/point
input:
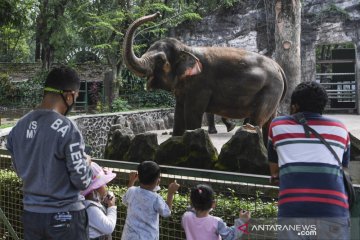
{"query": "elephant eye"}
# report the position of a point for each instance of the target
(160, 60)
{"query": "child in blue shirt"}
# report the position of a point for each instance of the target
(144, 205)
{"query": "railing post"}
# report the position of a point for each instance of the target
(8, 225)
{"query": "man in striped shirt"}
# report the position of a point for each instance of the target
(311, 184)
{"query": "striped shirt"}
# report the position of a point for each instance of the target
(311, 182)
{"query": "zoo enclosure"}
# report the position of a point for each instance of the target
(234, 192)
(337, 74)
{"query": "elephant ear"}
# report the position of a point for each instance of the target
(188, 65)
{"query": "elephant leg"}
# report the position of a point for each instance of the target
(265, 129)
(211, 123)
(195, 108)
(229, 124)
(264, 113)
(179, 120)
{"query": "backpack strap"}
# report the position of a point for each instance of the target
(300, 118)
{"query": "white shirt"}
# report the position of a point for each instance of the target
(101, 221)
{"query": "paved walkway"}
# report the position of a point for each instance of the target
(352, 122)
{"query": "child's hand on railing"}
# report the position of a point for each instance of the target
(173, 187)
(244, 215)
(133, 177)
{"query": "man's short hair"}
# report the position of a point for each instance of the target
(62, 78)
(149, 172)
(310, 97)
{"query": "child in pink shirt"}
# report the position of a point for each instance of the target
(200, 225)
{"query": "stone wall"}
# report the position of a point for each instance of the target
(95, 128)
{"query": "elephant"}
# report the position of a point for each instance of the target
(230, 82)
(211, 123)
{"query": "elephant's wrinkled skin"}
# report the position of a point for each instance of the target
(229, 82)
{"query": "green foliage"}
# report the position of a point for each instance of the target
(31, 91)
(120, 105)
(7, 89)
(6, 125)
(16, 21)
(153, 99)
(228, 204)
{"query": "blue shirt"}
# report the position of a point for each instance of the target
(143, 210)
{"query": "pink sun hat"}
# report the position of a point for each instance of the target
(99, 178)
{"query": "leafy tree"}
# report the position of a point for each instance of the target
(15, 29)
(103, 24)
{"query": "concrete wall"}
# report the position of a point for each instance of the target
(95, 128)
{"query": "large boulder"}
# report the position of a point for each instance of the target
(245, 152)
(171, 152)
(118, 142)
(355, 146)
(193, 149)
(142, 148)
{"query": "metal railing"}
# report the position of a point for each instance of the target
(234, 191)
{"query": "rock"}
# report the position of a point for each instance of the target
(201, 152)
(171, 152)
(193, 149)
(118, 144)
(142, 148)
(159, 124)
(137, 124)
(355, 148)
(169, 121)
(121, 121)
(150, 125)
(245, 152)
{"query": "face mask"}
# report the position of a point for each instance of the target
(157, 188)
(68, 107)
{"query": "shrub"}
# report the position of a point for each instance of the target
(228, 205)
(151, 99)
(7, 89)
(119, 105)
(31, 91)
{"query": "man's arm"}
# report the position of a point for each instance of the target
(273, 160)
(77, 162)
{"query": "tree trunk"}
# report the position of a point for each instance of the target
(287, 40)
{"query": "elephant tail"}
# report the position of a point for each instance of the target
(285, 83)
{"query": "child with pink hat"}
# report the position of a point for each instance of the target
(102, 220)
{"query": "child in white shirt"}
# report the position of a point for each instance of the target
(144, 205)
(102, 220)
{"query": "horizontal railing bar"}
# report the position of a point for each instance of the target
(334, 74)
(188, 172)
(192, 172)
(339, 83)
(345, 91)
(336, 61)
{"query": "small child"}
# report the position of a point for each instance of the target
(144, 204)
(102, 220)
(200, 225)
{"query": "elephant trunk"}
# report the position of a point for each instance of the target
(139, 66)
